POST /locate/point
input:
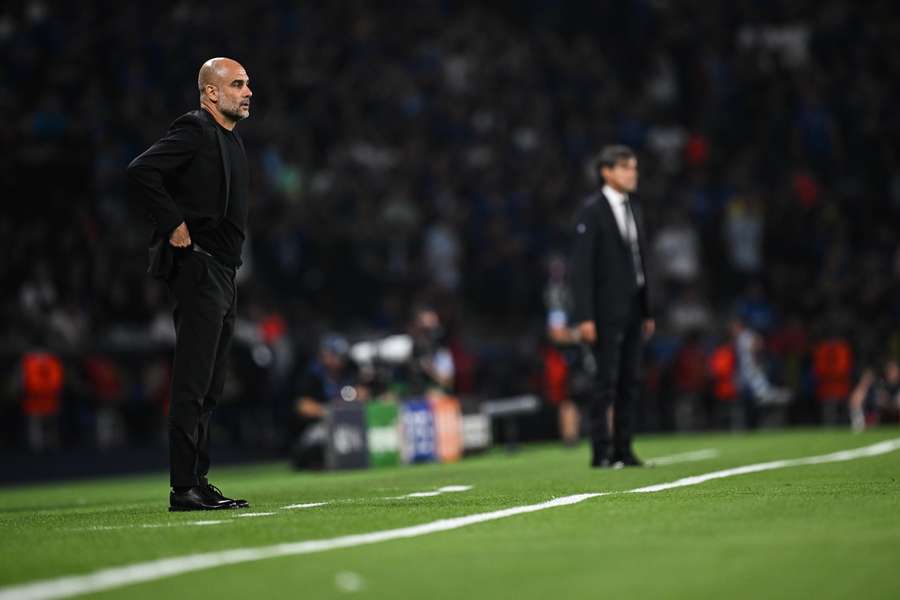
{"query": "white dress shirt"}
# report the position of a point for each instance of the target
(627, 227)
(616, 201)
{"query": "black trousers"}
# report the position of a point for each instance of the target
(205, 303)
(617, 353)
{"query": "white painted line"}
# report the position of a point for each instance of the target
(263, 514)
(438, 492)
(145, 526)
(455, 488)
(309, 505)
(683, 457)
(115, 577)
(844, 455)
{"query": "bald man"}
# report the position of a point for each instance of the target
(194, 184)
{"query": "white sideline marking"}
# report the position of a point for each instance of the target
(308, 505)
(262, 514)
(144, 526)
(843, 455)
(455, 488)
(114, 577)
(443, 490)
(683, 457)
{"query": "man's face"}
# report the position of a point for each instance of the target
(234, 92)
(332, 361)
(623, 176)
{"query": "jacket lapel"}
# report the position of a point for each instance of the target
(226, 167)
(611, 222)
(639, 224)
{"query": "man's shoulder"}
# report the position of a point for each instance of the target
(193, 119)
(592, 199)
(591, 203)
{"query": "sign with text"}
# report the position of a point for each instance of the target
(383, 421)
(347, 446)
(447, 427)
(418, 439)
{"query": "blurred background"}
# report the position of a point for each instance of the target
(416, 166)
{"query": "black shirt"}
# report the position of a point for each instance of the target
(225, 240)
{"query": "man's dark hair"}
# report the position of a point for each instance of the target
(610, 156)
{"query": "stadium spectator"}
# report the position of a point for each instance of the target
(876, 396)
(430, 364)
(723, 371)
(833, 368)
(43, 377)
(331, 377)
(690, 384)
(762, 401)
(568, 364)
(462, 129)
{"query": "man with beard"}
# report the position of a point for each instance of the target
(194, 183)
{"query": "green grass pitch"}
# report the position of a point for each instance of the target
(829, 530)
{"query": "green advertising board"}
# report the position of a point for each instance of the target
(382, 420)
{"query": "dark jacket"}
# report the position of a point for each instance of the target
(183, 177)
(601, 272)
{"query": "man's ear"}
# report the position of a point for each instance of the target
(212, 92)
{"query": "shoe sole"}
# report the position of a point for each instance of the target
(185, 509)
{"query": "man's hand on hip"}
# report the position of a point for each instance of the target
(180, 237)
(587, 330)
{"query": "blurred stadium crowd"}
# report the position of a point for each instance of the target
(434, 152)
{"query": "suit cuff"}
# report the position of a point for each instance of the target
(167, 223)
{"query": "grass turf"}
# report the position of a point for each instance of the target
(831, 529)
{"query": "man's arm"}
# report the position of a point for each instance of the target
(648, 309)
(581, 278)
(147, 172)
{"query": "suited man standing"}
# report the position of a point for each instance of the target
(194, 184)
(612, 306)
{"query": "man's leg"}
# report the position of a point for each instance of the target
(628, 388)
(198, 324)
(606, 355)
(216, 390)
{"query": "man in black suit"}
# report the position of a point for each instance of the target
(611, 302)
(194, 183)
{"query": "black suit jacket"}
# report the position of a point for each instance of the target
(183, 177)
(601, 272)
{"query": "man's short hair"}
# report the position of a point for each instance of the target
(610, 156)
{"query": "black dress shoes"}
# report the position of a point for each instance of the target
(195, 498)
(627, 459)
(215, 494)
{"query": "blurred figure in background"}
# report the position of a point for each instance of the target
(331, 377)
(832, 369)
(568, 364)
(876, 397)
(762, 401)
(431, 363)
(42, 378)
(690, 383)
(611, 300)
(105, 380)
(723, 372)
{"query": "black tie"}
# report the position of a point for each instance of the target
(631, 237)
